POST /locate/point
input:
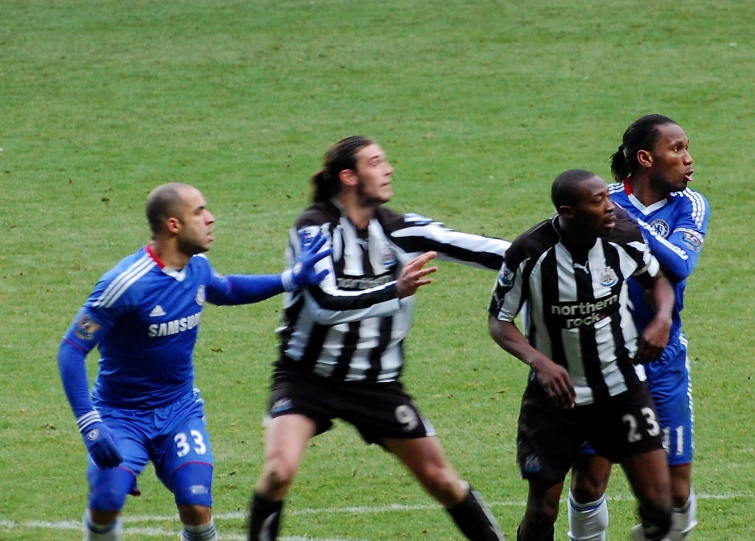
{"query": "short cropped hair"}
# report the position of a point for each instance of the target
(164, 202)
(565, 188)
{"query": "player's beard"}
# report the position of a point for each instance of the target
(368, 201)
(189, 247)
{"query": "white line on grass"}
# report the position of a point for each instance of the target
(238, 515)
(363, 509)
(141, 532)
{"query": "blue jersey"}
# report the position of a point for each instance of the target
(674, 228)
(146, 318)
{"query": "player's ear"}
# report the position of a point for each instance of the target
(348, 177)
(173, 225)
(644, 158)
(567, 211)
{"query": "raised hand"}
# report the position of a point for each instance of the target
(413, 274)
(304, 274)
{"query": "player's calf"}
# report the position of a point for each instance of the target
(474, 519)
(264, 518)
(684, 519)
(588, 521)
(101, 531)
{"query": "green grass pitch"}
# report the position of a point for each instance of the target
(478, 103)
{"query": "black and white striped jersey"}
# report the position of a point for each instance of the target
(352, 327)
(578, 310)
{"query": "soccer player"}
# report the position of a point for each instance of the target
(341, 343)
(581, 345)
(144, 316)
(652, 168)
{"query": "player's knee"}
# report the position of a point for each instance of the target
(586, 489)
(442, 483)
(277, 476)
(542, 510)
(108, 489)
(192, 485)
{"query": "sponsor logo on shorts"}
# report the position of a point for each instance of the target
(284, 404)
(531, 464)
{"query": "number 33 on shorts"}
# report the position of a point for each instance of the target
(635, 427)
(186, 444)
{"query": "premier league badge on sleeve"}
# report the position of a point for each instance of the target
(505, 277)
(308, 234)
(86, 327)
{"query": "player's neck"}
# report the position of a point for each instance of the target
(643, 190)
(573, 238)
(358, 214)
(168, 254)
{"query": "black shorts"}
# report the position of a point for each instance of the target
(377, 410)
(549, 437)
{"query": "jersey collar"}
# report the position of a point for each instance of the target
(178, 275)
(639, 205)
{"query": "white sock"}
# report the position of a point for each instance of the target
(685, 519)
(588, 521)
(203, 532)
(101, 532)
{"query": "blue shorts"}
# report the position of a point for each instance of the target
(170, 437)
(671, 389)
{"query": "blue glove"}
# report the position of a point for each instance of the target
(303, 274)
(99, 441)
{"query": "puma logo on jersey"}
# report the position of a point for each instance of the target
(582, 267)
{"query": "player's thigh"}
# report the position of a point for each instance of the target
(590, 474)
(186, 445)
(424, 457)
(671, 388)
(286, 438)
(548, 438)
(648, 475)
(625, 425)
(108, 488)
(383, 411)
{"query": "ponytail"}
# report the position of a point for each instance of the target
(620, 164)
(642, 134)
(323, 189)
(326, 183)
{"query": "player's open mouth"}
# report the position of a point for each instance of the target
(688, 175)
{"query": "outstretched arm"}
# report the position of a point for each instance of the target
(247, 289)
